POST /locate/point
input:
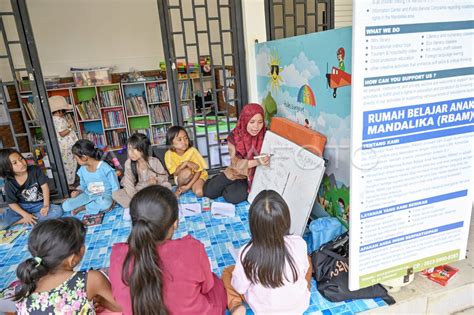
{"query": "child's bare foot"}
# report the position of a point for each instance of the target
(238, 310)
(77, 210)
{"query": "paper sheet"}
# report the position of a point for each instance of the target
(189, 209)
(222, 209)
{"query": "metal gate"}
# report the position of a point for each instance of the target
(205, 65)
(287, 18)
(19, 60)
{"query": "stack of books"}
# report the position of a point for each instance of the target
(136, 105)
(116, 138)
(157, 92)
(110, 98)
(160, 113)
(30, 108)
(97, 138)
(88, 110)
(183, 89)
(113, 119)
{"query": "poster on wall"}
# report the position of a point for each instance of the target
(307, 79)
(412, 137)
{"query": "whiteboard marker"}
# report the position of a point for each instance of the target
(262, 156)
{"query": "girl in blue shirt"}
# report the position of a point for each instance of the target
(98, 180)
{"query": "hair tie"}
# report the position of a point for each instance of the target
(38, 261)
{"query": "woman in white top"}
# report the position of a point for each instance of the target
(273, 272)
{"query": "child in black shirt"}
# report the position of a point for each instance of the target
(26, 190)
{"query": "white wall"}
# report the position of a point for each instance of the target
(254, 29)
(121, 33)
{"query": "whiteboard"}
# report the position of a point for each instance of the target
(294, 173)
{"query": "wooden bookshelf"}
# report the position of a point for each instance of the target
(148, 109)
(100, 115)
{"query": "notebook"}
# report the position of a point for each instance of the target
(8, 236)
(93, 219)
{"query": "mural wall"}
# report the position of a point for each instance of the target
(307, 80)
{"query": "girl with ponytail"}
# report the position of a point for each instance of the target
(98, 180)
(155, 275)
(49, 284)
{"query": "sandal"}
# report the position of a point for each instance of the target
(77, 210)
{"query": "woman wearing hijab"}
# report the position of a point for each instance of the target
(245, 143)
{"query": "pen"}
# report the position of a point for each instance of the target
(189, 209)
(262, 156)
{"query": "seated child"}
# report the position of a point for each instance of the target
(272, 272)
(152, 271)
(49, 284)
(185, 162)
(26, 190)
(141, 170)
(97, 181)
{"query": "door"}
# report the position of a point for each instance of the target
(205, 67)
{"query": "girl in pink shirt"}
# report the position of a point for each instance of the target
(273, 272)
(155, 275)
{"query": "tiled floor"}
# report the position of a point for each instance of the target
(217, 235)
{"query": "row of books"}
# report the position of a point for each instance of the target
(97, 138)
(110, 98)
(88, 110)
(146, 132)
(157, 92)
(116, 138)
(158, 135)
(30, 108)
(183, 90)
(136, 105)
(114, 119)
(160, 113)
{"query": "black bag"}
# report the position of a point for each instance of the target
(331, 271)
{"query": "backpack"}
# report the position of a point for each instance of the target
(331, 271)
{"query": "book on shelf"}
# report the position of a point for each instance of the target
(113, 118)
(160, 113)
(183, 90)
(157, 92)
(158, 134)
(110, 98)
(116, 138)
(31, 111)
(146, 132)
(135, 105)
(97, 138)
(88, 110)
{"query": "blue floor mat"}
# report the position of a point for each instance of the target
(217, 235)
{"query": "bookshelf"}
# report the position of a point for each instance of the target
(190, 92)
(32, 121)
(100, 115)
(148, 109)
